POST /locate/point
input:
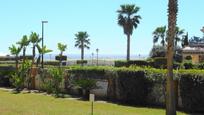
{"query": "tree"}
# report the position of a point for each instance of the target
(158, 51)
(62, 48)
(184, 41)
(42, 50)
(15, 51)
(170, 95)
(23, 45)
(128, 19)
(82, 42)
(34, 39)
(179, 33)
(160, 33)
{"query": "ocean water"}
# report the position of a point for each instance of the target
(100, 57)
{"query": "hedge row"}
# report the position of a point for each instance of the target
(143, 86)
(158, 62)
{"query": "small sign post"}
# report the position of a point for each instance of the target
(91, 99)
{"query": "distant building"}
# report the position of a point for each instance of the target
(195, 50)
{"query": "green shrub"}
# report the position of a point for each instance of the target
(133, 87)
(5, 75)
(82, 61)
(62, 58)
(192, 91)
(160, 62)
(188, 65)
(121, 63)
(188, 58)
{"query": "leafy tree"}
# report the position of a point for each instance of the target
(82, 42)
(15, 51)
(62, 48)
(128, 19)
(34, 39)
(170, 95)
(24, 42)
(160, 33)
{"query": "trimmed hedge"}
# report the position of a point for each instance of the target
(121, 63)
(82, 61)
(5, 74)
(62, 58)
(160, 62)
(192, 92)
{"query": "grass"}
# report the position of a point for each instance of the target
(37, 104)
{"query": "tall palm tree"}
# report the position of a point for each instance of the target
(170, 95)
(178, 36)
(128, 19)
(23, 45)
(160, 33)
(15, 51)
(62, 48)
(34, 39)
(82, 42)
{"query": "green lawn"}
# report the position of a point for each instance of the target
(38, 104)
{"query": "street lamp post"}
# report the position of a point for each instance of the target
(42, 65)
(97, 50)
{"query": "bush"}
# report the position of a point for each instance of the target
(82, 61)
(188, 58)
(53, 63)
(188, 65)
(133, 87)
(160, 62)
(158, 51)
(121, 63)
(192, 91)
(5, 75)
(62, 58)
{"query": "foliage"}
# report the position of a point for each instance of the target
(121, 63)
(191, 88)
(85, 83)
(160, 32)
(82, 42)
(188, 65)
(81, 61)
(158, 51)
(160, 62)
(21, 75)
(52, 79)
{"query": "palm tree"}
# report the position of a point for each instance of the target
(15, 51)
(42, 50)
(170, 95)
(160, 32)
(23, 45)
(62, 48)
(179, 33)
(82, 42)
(128, 20)
(34, 39)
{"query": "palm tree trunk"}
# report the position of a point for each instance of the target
(16, 62)
(24, 51)
(33, 60)
(128, 47)
(170, 96)
(82, 51)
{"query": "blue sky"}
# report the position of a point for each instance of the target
(97, 17)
